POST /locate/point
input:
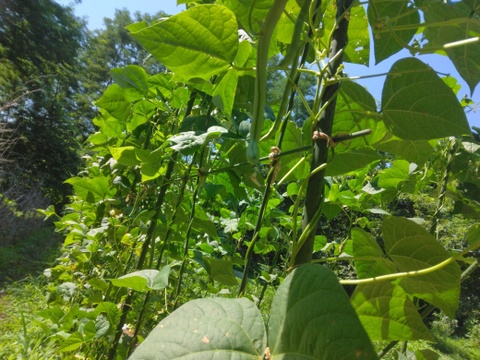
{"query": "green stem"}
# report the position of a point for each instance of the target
(188, 230)
(420, 272)
(258, 226)
(256, 127)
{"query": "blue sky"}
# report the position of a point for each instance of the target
(96, 10)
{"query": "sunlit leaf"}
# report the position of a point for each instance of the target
(370, 260)
(131, 76)
(411, 248)
(473, 234)
(125, 155)
(98, 187)
(395, 175)
(224, 92)
(250, 13)
(113, 100)
(387, 313)
(199, 42)
(144, 280)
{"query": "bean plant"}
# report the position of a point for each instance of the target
(197, 227)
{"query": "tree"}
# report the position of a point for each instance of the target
(39, 41)
(194, 194)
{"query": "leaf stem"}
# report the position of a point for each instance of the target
(420, 272)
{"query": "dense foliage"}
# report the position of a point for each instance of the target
(52, 69)
(207, 195)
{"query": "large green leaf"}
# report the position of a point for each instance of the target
(312, 318)
(213, 328)
(197, 43)
(224, 91)
(356, 110)
(395, 175)
(370, 261)
(144, 280)
(345, 162)
(412, 248)
(131, 76)
(113, 100)
(125, 155)
(387, 313)
(220, 270)
(418, 105)
(250, 13)
(466, 58)
(417, 151)
(384, 16)
(92, 190)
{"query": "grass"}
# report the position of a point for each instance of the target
(22, 297)
(20, 336)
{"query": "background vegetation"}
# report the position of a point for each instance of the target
(176, 198)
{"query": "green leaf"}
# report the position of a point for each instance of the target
(319, 242)
(207, 329)
(387, 313)
(73, 342)
(356, 110)
(466, 58)
(198, 123)
(411, 248)
(345, 162)
(286, 23)
(418, 105)
(473, 234)
(153, 164)
(125, 155)
(131, 76)
(204, 224)
(357, 50)
(224, 91)
(250, 13)
(312, 318)
(197, 43)
(374, 262)
(144, 280)
(393, 176)
(110, 127)
(384, 16)
(98, 187)
(292, 140)
(220, 270)
(113, 100)
(417, 151)
(142, 111)
(426, 354)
